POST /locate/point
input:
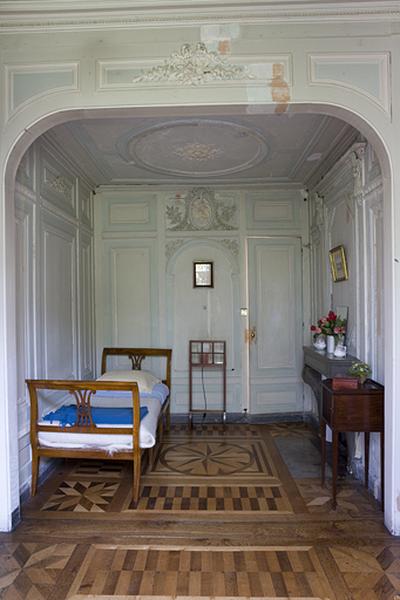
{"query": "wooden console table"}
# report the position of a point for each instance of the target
(319, 365)
(362, 410)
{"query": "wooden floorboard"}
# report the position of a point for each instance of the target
(220, 517)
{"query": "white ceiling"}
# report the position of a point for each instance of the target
(269, 149)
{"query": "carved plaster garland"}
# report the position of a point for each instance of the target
(60, 184)
(199, 210)
(357, 163)
(194, 65)
(319, 210)
(171, 247)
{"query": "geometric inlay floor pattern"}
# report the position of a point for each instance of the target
(227, 470)
(157, 572)
(82, 496)
(220, 518)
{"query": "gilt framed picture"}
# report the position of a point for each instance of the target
(337, 259)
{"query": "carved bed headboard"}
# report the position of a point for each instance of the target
(137, 355)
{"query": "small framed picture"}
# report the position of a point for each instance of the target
(203, 274)
(337, 259)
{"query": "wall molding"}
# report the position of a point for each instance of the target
(344, 62)
(30, 73)
(106, 14)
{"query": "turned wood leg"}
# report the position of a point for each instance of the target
(168, 419)
(151, 458)
(35, 472)
(335, 449)
(322, 429)
(136, 476)
(366, 457)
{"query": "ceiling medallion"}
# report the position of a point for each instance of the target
(194, 148)
(199, 152)
(194, 65)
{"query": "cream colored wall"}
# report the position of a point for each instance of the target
(54, 278)
(91, 66)
(347, 209)
(146, 242)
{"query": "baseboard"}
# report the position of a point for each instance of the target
(45, 474)
(294, 417)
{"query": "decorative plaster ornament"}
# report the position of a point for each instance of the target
(60, 185)
(198, 152)
(194, 65)
(171, 247)
(200, 211)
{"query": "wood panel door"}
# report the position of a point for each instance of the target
(275, 318)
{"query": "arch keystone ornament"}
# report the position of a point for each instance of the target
(194, 65)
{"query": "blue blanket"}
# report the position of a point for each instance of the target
(65, 416)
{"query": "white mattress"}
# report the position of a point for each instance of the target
(110, 443)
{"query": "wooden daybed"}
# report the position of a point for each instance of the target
(83, 438)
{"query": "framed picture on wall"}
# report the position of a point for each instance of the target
(203, 275)
(337, 259)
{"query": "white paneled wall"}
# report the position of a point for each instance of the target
(146, 242)
(347, 208)
(54, 282)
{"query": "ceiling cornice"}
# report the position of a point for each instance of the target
(43, 15)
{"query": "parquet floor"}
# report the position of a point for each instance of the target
(220, 517)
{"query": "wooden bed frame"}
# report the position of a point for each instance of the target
(82, 391)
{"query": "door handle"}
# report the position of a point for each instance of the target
(251, 335)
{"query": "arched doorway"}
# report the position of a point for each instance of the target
(10, 454)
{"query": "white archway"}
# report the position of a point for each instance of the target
(20, 136)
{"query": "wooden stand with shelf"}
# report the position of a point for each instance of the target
(361, 409)
(207, 354)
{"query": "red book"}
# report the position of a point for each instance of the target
(344, 383)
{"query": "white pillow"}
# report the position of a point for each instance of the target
(145, 380)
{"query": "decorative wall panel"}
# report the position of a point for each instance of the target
(201, 210)
(129, 213)
(54, 278)
(367, 73)
(131, 292)
(123, 211)
(24, 295)
(86, 328)
(32, 81)
(59, 299)
(194, 66)
(274, 210)
(215, 310)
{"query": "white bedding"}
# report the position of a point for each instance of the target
(110, 443)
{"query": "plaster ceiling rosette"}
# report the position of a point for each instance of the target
(195, 148)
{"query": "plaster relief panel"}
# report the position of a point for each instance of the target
(29, 82)
(200, 210)
(365, 73)
(195, 65)
(57, 187)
